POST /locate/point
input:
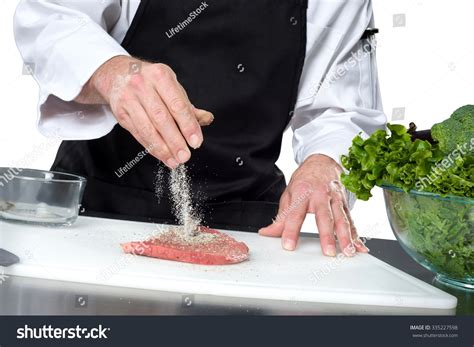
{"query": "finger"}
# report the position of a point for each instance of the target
(273, 230)
(276, 228)
(143, 131)
(341, 224)
(293, 223)
(179, 106)
(358, 243)
(325, 222)
(204, 117)
(165, 124)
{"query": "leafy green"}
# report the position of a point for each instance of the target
(438, 231)
(388, 159)
(395, 159)
(456, 177)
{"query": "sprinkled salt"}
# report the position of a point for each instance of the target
(182, 200)
(178, 236)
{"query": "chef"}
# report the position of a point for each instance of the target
(136, 87)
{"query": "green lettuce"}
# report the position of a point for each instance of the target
(438, 231)
(392, 158)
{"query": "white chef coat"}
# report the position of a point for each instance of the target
(66, 41)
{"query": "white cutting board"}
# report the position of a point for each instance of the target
(89, 252)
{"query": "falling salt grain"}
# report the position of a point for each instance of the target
(158, 183)
(182, 200)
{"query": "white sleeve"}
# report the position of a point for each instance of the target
(64, 43)
(339, 95)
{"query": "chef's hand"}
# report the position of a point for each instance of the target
(316, 188)
(151, 104)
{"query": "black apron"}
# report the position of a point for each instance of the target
(242, 61)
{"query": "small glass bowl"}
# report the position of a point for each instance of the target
(40, 197)
(436, 231)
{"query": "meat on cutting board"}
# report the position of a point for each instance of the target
(205, 247)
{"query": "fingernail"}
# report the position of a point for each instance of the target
(172, 163)
(362, 246)
(289, 245)
(183, 156)
(330, 251)
(209, 122)
(194, 141)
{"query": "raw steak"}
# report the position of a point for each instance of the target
(206, 247)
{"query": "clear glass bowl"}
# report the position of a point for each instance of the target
(40, 197)
(438, 232)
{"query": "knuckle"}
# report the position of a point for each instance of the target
(302, 188)
(190, 128)
(178, 105)
(325, 216)
(322, 191)
(146, 132)
(122, 117)
(159, 114)
(162, 71)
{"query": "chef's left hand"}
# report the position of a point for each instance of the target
(315, 188)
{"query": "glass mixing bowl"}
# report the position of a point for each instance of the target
(40, 197)
(438, 232)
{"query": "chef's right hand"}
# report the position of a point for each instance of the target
(151, 104)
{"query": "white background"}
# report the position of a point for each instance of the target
(425, 67)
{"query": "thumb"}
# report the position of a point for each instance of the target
(278, 226)
(273, 230)
(203, 117)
